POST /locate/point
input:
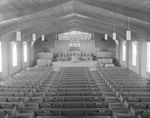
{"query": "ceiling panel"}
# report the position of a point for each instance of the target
(135, 4)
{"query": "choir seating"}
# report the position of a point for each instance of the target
(80, 55)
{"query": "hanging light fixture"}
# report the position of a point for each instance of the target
(114, 34)
(128, 32)
(43, 36)
(106, 35)
(33, 35)
(18, 33)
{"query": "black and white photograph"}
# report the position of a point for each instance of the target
(74, 58)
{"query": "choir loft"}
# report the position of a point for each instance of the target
(74, 58)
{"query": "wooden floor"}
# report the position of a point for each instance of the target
(91, 64)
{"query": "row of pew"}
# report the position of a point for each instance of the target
(132, 90)
(17, 90)
(40, 92)
(74, 92)
(77, 92)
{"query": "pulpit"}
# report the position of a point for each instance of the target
(44, 59)
(74, 58)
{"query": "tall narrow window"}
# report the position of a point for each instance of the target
(134, 52)
(124, 51)
(25, 52)
(14, 54)
(0, 57)
(148, 57)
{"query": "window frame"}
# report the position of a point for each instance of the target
(124, 49)
(148, 58)
(134, 53)
(25, 52)
(1, 64)
(14, 54)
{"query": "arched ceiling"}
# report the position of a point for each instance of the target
(50, 16)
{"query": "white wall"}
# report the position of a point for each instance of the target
(140, 67)
(7, 68)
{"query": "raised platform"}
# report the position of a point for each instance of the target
(90, 64)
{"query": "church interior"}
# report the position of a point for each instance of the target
(74, 59)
